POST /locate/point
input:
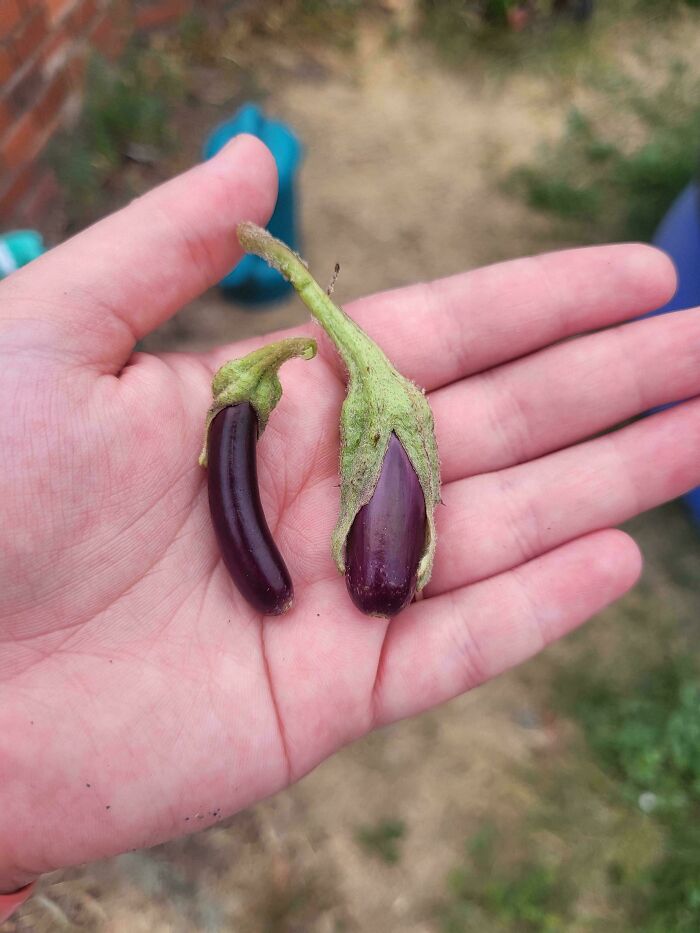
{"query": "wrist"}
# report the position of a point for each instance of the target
(11, 901)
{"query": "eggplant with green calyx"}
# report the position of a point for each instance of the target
(384, 540)
(245, 392)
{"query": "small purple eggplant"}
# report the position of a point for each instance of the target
(245, 541)
(245, 392)
(387, 538)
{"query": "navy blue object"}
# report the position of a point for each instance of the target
(679, 236)
(252, 281)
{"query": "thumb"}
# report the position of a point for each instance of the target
(97, 294)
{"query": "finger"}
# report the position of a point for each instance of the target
(565, 393)
(442, 647)
(453, 327)
(493, 522)
(97, 294)
(440, 332)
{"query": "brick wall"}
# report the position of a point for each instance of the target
(44, 46)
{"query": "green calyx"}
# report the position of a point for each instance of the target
(379, 401)
(253, 378)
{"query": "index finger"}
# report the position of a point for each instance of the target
(445, 330)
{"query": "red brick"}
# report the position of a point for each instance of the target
(43, 190)
(122, 12)
(10, 16)
(161, 12)
(28, 39)
(49, 107)
(14, 190)
(28, 6)
(7, 63)
(108, 36)
(6, 117)
(81, 17)
(57, 50)
(22, 142)
(43, 41)
(25, 91)
(57, 9)
(29, 133)
(76, 70)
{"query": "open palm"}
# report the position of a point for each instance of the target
(140, 697)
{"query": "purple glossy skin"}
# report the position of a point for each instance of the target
(245, 542)
(387, 538)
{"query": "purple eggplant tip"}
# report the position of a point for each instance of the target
(387, 538)
(283, 602)
(380, 600)
(245, 542)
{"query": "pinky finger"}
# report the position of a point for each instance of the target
(446, 645)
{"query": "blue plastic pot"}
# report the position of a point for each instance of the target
(252, 281)
(679, 236)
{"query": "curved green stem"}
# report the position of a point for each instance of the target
(254, 378)
(351, 341)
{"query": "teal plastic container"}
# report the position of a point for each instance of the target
(252, 281)
(17, 248)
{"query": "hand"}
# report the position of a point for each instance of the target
(140, 697)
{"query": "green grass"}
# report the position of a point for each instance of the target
(128, 104)
(383, 840)
(328, 22)
(529, 896)
(125, 115)
(460, 29)
(645, 733)
(197, 38)
(474, 35)
(595, 187)
(648, 735)
(292, 906)
(613, 842)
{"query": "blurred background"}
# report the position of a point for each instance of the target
(437, 135)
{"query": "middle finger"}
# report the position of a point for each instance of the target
(565, 393)
(497, 521)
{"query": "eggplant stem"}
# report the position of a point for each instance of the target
(253, 378)
(351, 341)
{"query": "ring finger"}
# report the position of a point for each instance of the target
(497, 521)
